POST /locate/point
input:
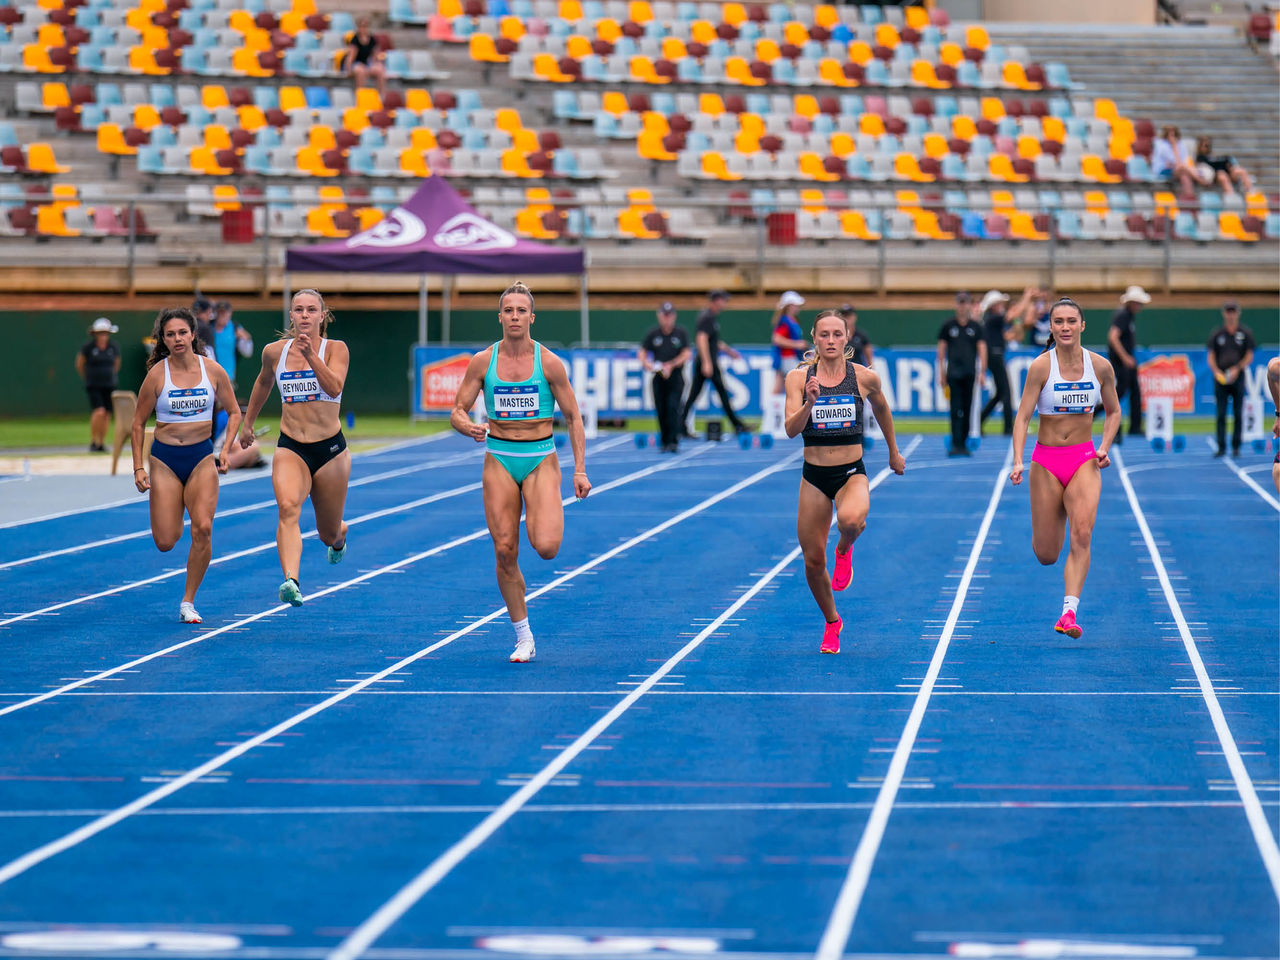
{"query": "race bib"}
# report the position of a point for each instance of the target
(1073, 397)
(188, 403)
(834, 413)
(299, 386)
(518, 402)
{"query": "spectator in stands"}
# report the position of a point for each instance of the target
(1222, 169)
(962, 361)
(863, 352)
(1001, 326)
(788, 338)
(1122, 352)
(228, 340)
(707, 361)
(98, 364)
(664, 351)
(365, 57)
(1170, 162)
(1231, 349)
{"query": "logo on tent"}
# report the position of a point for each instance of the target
(399, 229)
(467, 231)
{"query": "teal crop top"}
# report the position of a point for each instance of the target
(510, 402)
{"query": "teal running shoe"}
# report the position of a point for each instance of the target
(335, 556)
(291, 593)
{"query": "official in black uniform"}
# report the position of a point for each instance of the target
(664, 351)
(1001, 325)
(863, 352)
(1122, 346)
(962, 359)
(707, 362)
(1231, 349)
(98, 364)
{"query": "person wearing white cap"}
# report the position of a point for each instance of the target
(788, 338)
(98, 364)
(1000, 326)
(1122, 345)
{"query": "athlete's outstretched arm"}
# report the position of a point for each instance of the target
(800, 398)
(562, 390)
(465, 399)
(869, 384)
(1110, 403)
(227, 400)
(147, 394)
(1037, 374)
(261, 390)
(1273, 384)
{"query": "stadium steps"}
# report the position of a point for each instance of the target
(1222, 89)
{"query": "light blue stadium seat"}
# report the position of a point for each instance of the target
(967, 74)
(1139, 170)
(857, 167)
(108, 94)
(779, 13)
(697, 143)
(407, 119)
(851, 105)
(8, 136)
(269, 137)
(1069, 225)
(11, 195)
(686, 12)
(564, 105)
(198, 116)
(342, 22)
(163, 136)
(917, 125)
(1058, 75)
(499, 9)
(360, 162)
(468, 100)
(150, 159)
(758, 103)
(401, 11)
(91, 115)
(824, 124)
(1184, 226)
(522, 9)
(872, 14)
(565, 163)
(1060, 107)
(1273, 225)
(952, 167)
(306, 40)
(784, 71)
(762, 201)
(973, 226)
(593, 10)
(605, 125)
(195, 60)
(663, 102)
(877, 74)
(689, 70)
(161, 95)
(256, 160)
(397, 64)
(266, 98)
(1050, 201)
(371, 138)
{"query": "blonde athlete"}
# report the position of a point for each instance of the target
(825, 398)
(181, 386)
(311, 457)
(1063, 385)
(520, 378)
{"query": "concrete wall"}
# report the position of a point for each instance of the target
(1138, 12)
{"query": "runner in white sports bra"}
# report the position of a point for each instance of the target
(181, 387)
(1063, 386)
(311, 455)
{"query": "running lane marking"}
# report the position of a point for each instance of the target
(377, 924)
(845, 912)
(474, 535)
(1257, 487)
(267, 545)
(226, 483)
(1262, 834)
(235, 511)
(93, 828)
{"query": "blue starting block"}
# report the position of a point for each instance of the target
(559, 439)
(1178, 445)
(763, 441)
(648, 440)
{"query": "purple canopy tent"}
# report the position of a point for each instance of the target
(436, 231)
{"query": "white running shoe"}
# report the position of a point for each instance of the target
(187, 613)
(524, 651)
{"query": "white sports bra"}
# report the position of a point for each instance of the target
(301, 386)
(185, 404)
(1059, 396)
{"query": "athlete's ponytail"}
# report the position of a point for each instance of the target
(517, 287)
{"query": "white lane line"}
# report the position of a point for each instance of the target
(138, 498)
(267, 545)
(845, 912)
(474, 535)
(40, 854)
(784, 806)
(234, 511)
(1249, 481)
(375, 925)
(1262, 834)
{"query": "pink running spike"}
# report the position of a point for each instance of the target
(1067, 624)
(844, 569)
(831, 637)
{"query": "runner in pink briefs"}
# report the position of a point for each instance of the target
(1063, 386)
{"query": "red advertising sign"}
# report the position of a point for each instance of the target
(1169, 376)
(440, 381)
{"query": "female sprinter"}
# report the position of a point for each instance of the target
(311, 455)
(825, 396)
(1063, 385)
(181, 386)
(520, 377)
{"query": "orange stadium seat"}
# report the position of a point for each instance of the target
(1022, 226)
(1093, 168)
(951, 54)
(570, 10)
(515, 163)
(40, 159)
(35, 59)
(907, 167)
(1230, 224)
(871, 124)
(887, 35)
(1001, 168)
(977, 38)
(111, 140)
(226, 197)
(413, 162)
(51, 222)
(1053, 128)
(963, 127)
(649, 145)
(417, 99)
(842, 144)
(854, 224)
(713, 165)
(734, 13)
(795, 33)
(860, 52)
(811, 168)
(639, 11)
(422, 139)
(923, 74)
(1016, 76)
(703, 31)
(825, 15)
(54, 94)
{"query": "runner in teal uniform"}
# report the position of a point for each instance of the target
(522, 381)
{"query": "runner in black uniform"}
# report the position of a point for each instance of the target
(825, 397)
